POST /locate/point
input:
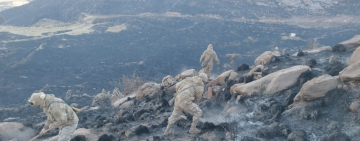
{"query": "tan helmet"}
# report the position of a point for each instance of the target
(210, 47)
(37, 100)
(204, 77)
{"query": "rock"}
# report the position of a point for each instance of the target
(352, 43)
(126, 106)
(124, 119)
(187, 73)
(225, 76)
(209, 136)
(148, 89)
(82, 132)
(272, 132)
(266, 57)
(311, 63)
(312, 51)
(318, 50)
(310, 110)
(334, 59)
(316, 88)
(120, 101)
(355, 57)
(298, 135)
(106, 137)
(116, 95)
(336, 136)
(79, 138)
(102, 100)
(272, 83)
(243, 67)
(334, 69)
(12, 130)
(351, 72)
(300, 53)
(167, 81)
(354, 106)
(339, 48)
(141, 130)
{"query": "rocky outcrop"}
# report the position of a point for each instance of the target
(272, 83)
(167, 81)
(102, 100)
(355, 57)
(266, 57)
(317, 88)
(225, 76)
(187, 73)
(313, 51)
(351, 72)
(254, 74)
(352, 43)
(148, 89)
(13, 130)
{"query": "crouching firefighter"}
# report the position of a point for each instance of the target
(188, 92)
(59, 115)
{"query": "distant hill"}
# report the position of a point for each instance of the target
(70, 10)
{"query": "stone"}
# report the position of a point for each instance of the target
(225, 76)
(187, 73)
(352, 43)
(272, 83)
(355, 57)
(243, 67)
(266, 57)
(354, 106)
(148, 89)
(351, 72)
(317, 88)
(12, 130)
(102, 100)
(339, 48)
(298, 135)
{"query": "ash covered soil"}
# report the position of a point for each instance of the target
(229, 114)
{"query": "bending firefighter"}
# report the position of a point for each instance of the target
(189, 92)
(206, 60)
(59, 115)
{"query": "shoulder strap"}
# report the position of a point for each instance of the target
(192, 86)
(76, 110)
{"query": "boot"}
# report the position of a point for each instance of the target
(167, 131)
(193, 129)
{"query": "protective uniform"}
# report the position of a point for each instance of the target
(206, 60)
(59, 114)
(189, 92)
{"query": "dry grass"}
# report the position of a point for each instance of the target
(131, 83)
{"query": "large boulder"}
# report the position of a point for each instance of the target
(272, 83)
(187, 73)
(266, 57)
(317, 88)
(314, 50)
(352, 43)
(225, 76)
(148, 89)
(355, 57)
(13, 130)
(351, 72)
(167, 81)
(102, 100)
(120, 101)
